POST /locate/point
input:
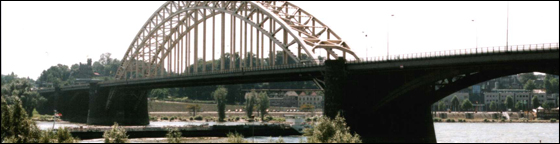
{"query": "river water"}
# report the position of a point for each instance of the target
(445, 133)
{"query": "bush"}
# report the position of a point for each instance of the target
(553, 120)
(235, 138)
(268, 118)
(486, 120)
(448, 120)
(452, 120)
(164, 118)
(503, 120)
(116, 135)
(331, 131)
(191, 118)
(236, 118)
(198, 118)
(174, 136)
(493, 121)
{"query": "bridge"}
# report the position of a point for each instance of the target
(384, 99)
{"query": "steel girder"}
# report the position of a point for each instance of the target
(155, 46)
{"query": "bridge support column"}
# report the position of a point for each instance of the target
(123, 106)
(335, 82)
(405, 119)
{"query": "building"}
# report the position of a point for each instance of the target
(312, 99)
(519, 95)
(281, 99)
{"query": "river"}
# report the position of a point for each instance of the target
(445, 133)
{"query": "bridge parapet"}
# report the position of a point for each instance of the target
(464, 52)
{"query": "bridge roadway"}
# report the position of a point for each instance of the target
(382, 100)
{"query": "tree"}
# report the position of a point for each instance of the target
(220, 98)
(530, 85)
(174, 136)
(455, 103)
(535, 103)
(331, 131)
(518, 106)
(548, 105)
(466, 105)
(493, 106)
(264, 104)
(509, 102)
(525, 77)
(250, 104)
(193, 108)
(116, 135)
(16, 125)
(21, 88)
(441, 106)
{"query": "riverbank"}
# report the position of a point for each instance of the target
(487, 117)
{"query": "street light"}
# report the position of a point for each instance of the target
(365, 41)
(476, 27)
(388, 29)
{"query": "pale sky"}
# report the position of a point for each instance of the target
(37, 35)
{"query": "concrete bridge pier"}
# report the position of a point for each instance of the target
(125, 106)
(405, 119)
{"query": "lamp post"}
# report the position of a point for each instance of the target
(365, 43)
(388, 29)
(476, 30)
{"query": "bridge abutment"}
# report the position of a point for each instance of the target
(122, 106)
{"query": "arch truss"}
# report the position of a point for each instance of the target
(182, 36)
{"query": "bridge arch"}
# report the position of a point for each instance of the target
(158, 46)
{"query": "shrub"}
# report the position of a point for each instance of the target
(236, 118)
(493, 121)
(164, 118)
(331, 131)
(448, 120)
(503, 120)
(198, 118)
(235, 138)
(191, 118)
(269, 118)
(452, 120)
(553, 120)
(486, 120)
(174, 136)
(116, 135)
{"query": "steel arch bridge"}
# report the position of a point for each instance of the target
(171, 43)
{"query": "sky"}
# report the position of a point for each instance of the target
(37, 35)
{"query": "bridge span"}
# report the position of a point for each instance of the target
(384, 99)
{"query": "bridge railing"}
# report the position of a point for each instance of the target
(307, 64)
(463, 52)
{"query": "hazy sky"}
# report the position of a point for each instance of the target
(37, 35)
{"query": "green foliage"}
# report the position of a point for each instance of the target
(455, 103)
(486, 120)
(530, 85)
(331, 131)
(519, 105)
(198, 118)
(264, 104)
(509, 102)
(525, 77)
(441, 106)
(535, 102)
(552, 120)
(250, 104)
(159, 93)
(466, 104)
(220, 97)
(235, 138)
(548, 105)
(21, 89)
(493, 106)
(116, 135)
(174, 136)
(16, 125)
